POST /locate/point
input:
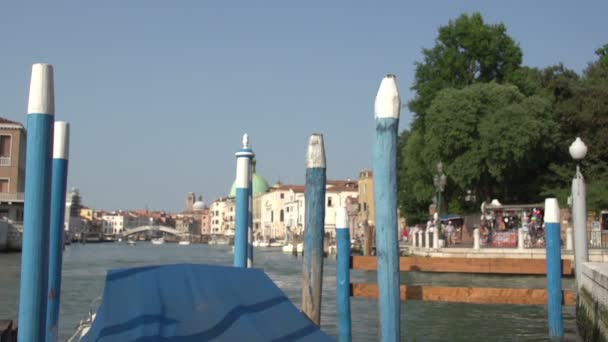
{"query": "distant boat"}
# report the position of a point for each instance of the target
(288, 248)
(131, 242)
(276, 243)
(184, 243)
(158, 241)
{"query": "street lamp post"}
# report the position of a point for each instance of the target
(439, 180)
(578, 150)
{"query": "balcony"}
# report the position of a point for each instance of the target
(11, 197)
(5, 161)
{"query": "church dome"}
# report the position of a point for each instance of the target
(198, 205)
(259, 184)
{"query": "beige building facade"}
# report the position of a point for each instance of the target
(12, 169)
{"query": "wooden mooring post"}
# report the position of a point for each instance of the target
(314, 231)
(35, 251)
(554, 274)
(59, 183)
(387, 108)
(343, 275)
(241, 231)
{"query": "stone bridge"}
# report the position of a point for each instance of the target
(153, 228)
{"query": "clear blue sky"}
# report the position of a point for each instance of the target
(158, 93)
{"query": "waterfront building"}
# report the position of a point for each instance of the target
(222, 216)
(338, 193)
(366, 198)
(283, 208)
(12, 169)
(280, 211)
(73, 223)
(114, 223)
(205, 221)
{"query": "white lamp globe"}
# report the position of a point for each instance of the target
(578, 150)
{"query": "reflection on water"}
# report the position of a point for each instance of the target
(85, 267)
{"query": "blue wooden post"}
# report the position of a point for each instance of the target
(243, 164)
(314, 229)
(343, 275)
(250, 219)
(387, 108)
(554, 269)
(60, 176)
(35, 248)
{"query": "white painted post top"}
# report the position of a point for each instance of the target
(42, 95)
(551, 210)
(245, 141)
(61, 140)
(315, 156)
(388, 101)
(341, 218)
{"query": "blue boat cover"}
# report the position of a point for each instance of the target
(187, 302)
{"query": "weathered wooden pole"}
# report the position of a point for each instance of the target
(243, 164)
(578, 150)
(35, 248)
(554, 268)
(343, 275)
(61, 146)
(387, 108)
(314, 228)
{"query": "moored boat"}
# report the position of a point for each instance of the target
(158, 241)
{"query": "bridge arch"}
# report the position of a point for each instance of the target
(153, 228)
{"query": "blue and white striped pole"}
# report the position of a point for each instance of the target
(61, 147)
(243, 164)
(343, 275)
(250, 226)
(554, 268)
(387, 108)
(35, 248)
(314, 229)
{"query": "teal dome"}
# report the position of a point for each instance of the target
(260, 186)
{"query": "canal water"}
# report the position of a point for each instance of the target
(85, 267)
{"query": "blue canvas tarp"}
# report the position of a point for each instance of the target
(187, 302)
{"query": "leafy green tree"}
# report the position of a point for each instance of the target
(467, 50)
(581, 108)
(492, 140)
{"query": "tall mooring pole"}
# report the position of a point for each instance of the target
(60, 176)
(35, 248)
(387, 108)
(312, 284)
(243, 165)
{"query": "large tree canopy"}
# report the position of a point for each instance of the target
(466, 51)
(489, 135)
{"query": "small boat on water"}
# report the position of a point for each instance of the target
(288, 248)
(158, 241)
(131, 242)
(184, 243)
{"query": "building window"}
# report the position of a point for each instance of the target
(3, 185)
(364, 206)
(271, 216)
(281, 216)
(5, 150)
(282, 196)
(329, 203)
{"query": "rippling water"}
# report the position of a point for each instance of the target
(85, 267)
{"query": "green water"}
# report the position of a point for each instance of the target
(85, 266)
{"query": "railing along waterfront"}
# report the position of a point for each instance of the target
(598, 239)
(478, 295)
